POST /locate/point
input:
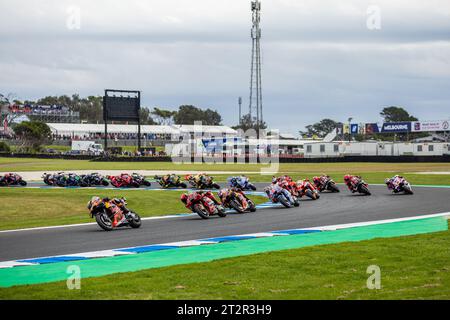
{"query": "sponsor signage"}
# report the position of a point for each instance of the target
(396, 127)
(423, 126)
(372, 128)
(354, 128)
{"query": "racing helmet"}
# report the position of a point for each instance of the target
(222, 193)
(387, 181)
(93, 201)
(184, 198)
(347, 178)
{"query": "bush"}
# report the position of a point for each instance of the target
(4, 147)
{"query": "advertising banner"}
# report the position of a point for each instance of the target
(423, 126)
(395, 127)
(372, 128)
(346, 128)
(354, 128)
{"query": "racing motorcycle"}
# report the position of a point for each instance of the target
(242, 183)
(238, 201)
(70, 180)
(325, 183)
(138, 178)
(402, 186)
(51, 178)
(12, 179)
(104, 212)
(205, 207)
(174, 182)
(362, 187)
(94, 179)
(123, 181)
(278, 194)
(306, 188)
(206, 182)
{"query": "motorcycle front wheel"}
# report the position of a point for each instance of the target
(363, 189)
(333, 188)
(135, 220)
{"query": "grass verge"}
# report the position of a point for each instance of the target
(28, 208)
(412, 267)
(21, 164)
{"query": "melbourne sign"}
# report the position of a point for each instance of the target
(396, 127)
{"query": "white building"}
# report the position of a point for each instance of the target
(375, 148)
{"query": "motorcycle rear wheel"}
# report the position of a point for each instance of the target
(221, 212)
(236, 206)
(285, 202)
(408, 190)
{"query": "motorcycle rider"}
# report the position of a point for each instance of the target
(275, 189)
(320, 182)
(169, 179)
(352, 182)
(394, 183)
(117, 207)
(9, 178)
(238, 181)
(225, 195)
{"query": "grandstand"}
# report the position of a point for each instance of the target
(66, 131)
(43, 113)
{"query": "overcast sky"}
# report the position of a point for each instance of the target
(320, 59)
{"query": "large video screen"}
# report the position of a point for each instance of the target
(121, 108)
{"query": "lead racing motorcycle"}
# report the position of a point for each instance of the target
(398, 184)
(113, 213)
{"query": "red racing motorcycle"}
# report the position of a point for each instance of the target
(123, 181)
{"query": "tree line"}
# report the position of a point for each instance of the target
(388, 114)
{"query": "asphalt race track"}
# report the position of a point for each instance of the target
(330, 209)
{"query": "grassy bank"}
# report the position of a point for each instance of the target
(43, 207)
(413, 267)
